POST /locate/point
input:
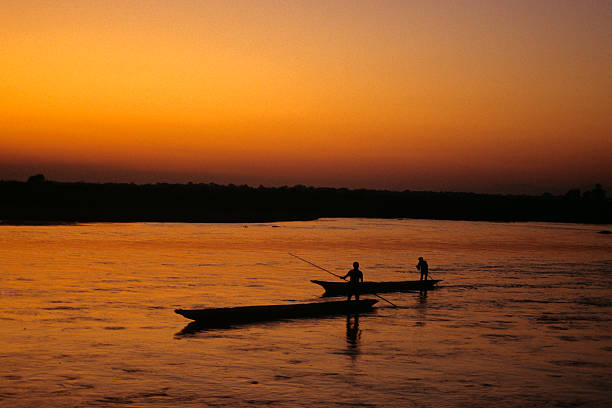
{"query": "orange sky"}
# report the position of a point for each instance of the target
(508, 96)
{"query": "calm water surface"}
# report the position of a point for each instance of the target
(522, 318)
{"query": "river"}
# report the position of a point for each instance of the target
(521, 318)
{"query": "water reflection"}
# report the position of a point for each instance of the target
(194, 328)
(422, 308)
(353, 335)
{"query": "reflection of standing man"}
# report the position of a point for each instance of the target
(421, 308)
(352, 329)
(353, 334)
(423, 267)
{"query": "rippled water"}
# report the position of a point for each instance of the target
(522, 317)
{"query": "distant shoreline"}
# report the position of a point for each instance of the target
(42, 202)
(51, 223)
(43, 223)
(19, 223)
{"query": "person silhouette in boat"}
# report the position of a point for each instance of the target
(356, 276)
(423, 268)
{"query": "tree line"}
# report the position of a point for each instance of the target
(40, 200)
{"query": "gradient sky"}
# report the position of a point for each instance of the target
(487, 96)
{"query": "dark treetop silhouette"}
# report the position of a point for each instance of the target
(42, 201)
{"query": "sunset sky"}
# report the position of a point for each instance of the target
(487, 96)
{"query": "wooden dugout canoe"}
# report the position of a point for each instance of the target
(249, 314)
(341, 288)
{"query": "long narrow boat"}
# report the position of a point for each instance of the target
(340, 288)
(249, 314)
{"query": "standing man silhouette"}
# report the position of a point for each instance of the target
(423, 267)
(356, 277)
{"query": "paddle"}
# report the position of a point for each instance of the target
(338, 276)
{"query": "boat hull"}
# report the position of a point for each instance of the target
(341, 288)
(250, 314)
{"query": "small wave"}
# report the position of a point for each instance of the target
(597, 338)
(75, 318)
(519, 285)
(64, 308)
(538, 301)
(122, 281)
(568, 338)
(115, 400)
(132, 370)
(500, 338)
(261, 402)
(601, 302)
(578, 363)
(548, 318)
(82, 386)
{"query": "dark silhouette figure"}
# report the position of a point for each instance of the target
(356, 276)
(423, 268)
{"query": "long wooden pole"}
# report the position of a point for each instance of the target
(338, 276)
(316, 266)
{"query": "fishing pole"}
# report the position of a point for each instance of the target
(338, 276)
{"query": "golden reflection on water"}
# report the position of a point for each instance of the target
(522, 317)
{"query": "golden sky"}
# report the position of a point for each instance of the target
(490, 96)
